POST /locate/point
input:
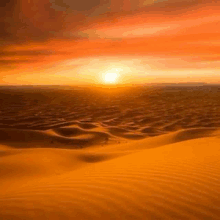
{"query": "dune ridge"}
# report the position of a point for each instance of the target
(119, 153)
(77, 138)
(172, 176)
(147, 109)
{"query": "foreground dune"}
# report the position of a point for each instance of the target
(172, 176)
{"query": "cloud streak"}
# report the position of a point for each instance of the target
(51, 32)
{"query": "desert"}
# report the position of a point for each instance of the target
(109, 110)
(138, 152)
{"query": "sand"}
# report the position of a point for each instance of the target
(89, 169)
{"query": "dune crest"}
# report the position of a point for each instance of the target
(128, 153)
(177, 180)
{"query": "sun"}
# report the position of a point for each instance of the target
(111, 77)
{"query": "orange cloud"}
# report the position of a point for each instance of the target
(188, 37)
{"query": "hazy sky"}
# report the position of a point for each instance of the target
(78, 41)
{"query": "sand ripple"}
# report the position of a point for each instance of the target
(94, 153)
(174, 181)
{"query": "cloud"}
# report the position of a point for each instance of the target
(24, 20)
(25, 53)
(8, 62)
(48, 32)
(82, 5)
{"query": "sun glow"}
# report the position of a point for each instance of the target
(110, 77)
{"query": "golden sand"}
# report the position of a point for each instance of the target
(95, 170)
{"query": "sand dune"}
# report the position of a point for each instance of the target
(128, 153)
(73, 138)
(164, 109)
(172, 176)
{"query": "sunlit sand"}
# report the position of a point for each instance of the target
(132, 153)
(110, 110)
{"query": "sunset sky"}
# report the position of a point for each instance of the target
(79, 41)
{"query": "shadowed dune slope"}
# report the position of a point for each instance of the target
(76, 138)
(172, 176)
(69, 138)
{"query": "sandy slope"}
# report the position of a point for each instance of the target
(172, 176)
